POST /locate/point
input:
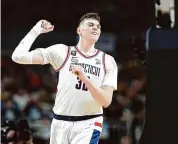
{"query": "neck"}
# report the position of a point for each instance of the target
(85, 46)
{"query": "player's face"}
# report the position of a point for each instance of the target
(90, 30)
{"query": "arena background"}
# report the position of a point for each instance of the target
(29, 91)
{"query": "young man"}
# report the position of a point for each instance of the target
(87, 79)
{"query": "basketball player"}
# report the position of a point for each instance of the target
(87, 79)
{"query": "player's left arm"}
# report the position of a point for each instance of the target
(103, 94)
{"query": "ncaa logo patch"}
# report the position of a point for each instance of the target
(73, 53)
(74, 59)
(98, 61)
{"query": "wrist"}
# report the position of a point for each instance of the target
(37, 28)
(86, 80)
(33, 33)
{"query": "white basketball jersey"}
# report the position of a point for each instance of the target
(73, 97)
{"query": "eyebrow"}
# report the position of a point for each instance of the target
(93, 23)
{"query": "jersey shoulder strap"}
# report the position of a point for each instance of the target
(66, 59)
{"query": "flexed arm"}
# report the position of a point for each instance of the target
(21, 54)
(104, 93)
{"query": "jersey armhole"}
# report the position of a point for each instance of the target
(104, 62)
(67, 57)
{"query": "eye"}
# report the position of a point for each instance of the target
(90, 24)
(99, 26)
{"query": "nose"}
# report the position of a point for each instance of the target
(95, 27)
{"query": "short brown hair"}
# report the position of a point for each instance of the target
(91, 15)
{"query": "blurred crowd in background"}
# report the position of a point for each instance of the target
(29, 91)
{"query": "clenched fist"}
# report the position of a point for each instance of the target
(43, 26)
(79, 72)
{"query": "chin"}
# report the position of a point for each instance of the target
(94, 39)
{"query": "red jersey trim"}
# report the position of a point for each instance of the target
(98, 124)
(85, 55)
(67, 57)
(104, 62)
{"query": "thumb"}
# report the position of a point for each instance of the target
(51, 28)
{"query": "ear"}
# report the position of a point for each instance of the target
(78, 30)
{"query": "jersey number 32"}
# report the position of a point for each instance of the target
(80, 85)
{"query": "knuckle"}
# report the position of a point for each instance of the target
(43, 21)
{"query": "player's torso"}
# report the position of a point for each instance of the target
(73, 97)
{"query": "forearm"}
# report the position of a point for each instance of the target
(101, 96)
(21, 53)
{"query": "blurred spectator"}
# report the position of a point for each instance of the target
(21, 98)
(126, 140)
(33, 78)
(135, 86)
(33, 110)
(115, 109)
(10, 110)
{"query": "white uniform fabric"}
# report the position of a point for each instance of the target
(73, 98)
(80, 132)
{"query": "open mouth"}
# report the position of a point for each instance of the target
(94, 33)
